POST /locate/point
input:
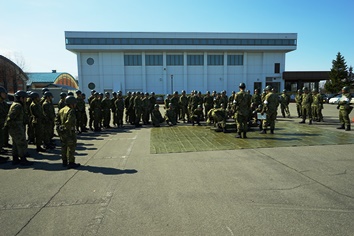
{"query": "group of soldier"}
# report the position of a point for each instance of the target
(38, 114)
(310, 106)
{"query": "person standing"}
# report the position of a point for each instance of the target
(3, 114)
(208, 104)
(95, 107)
(49, 119)
(138, 108)
(344, 109)
(284, 104)
(317, 106)
(16, 126)
(146, 109)
(306, 102)
(106, 110)
(242, 102)
(37, 118)
(119, 105)
(270, 107)
(61, 103)
(113, 108)
(298, 100)
(66, 122)
(80, 110)
(91, 118)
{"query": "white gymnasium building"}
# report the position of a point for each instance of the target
(171, 61)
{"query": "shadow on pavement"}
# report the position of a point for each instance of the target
(58, 167)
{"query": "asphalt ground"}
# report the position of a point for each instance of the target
(299, 181)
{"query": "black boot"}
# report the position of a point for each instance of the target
(65, 163)
(302, 122)
(73, 165)
(348, 128)
(40, 149)
(244, 135)
(310, 122)
(25, 162)
(15, 160)
(3, 159)
(238, 135)
(272, 131)
(341, 126)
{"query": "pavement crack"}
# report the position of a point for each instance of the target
(303, 174)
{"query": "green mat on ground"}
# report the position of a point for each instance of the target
(187, 138)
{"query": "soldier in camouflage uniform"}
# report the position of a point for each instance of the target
(183, 103)
(146, 109)
(43, 97)
(138, 107)
(91, 118)
(317, 106)
(175, 103)
(61, 103)
(49, 119)
(95, 107)
(298, 102)
(30, 132)
(167, 101)
(106, 110)
(306, 101)
(270, 107)
(119, 105)
(152, 100)
(113, 108)
(284, 104)
(84, 114)
(66, 122)
(127, 107)
(208, 104)
(38, 121)
(156, 116)
(80, 110)
(219, 116)
(3, 115)
(242, 104)
(345, 109)
(15, 123)
(197, 115)
(170, 115)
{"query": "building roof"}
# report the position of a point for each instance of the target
(42, 77)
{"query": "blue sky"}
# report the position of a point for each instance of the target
(33, 33)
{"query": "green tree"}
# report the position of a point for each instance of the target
(338, 76)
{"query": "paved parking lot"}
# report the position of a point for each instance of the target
(140, 182)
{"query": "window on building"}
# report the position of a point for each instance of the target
(153, 60)
(215, 60)
(174, 60)
(276, 68)
(234, 60)
(195, 60)
(132, 60)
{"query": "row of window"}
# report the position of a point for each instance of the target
(178, 60)
(180, 41)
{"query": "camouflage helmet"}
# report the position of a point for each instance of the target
(70, 94)
(34, 95)
(63, 95)
(2, 90)
(70, 100)
(78, 92)
(106, 93)
(156, 105)
(114, 93)
(21, 94)
(268, 88)
(345, 89)
(305, 89)
(48, 94)
(83, 95)
(44, 90)
(242, 85)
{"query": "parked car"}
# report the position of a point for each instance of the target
(335, 100)
(328, 96)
